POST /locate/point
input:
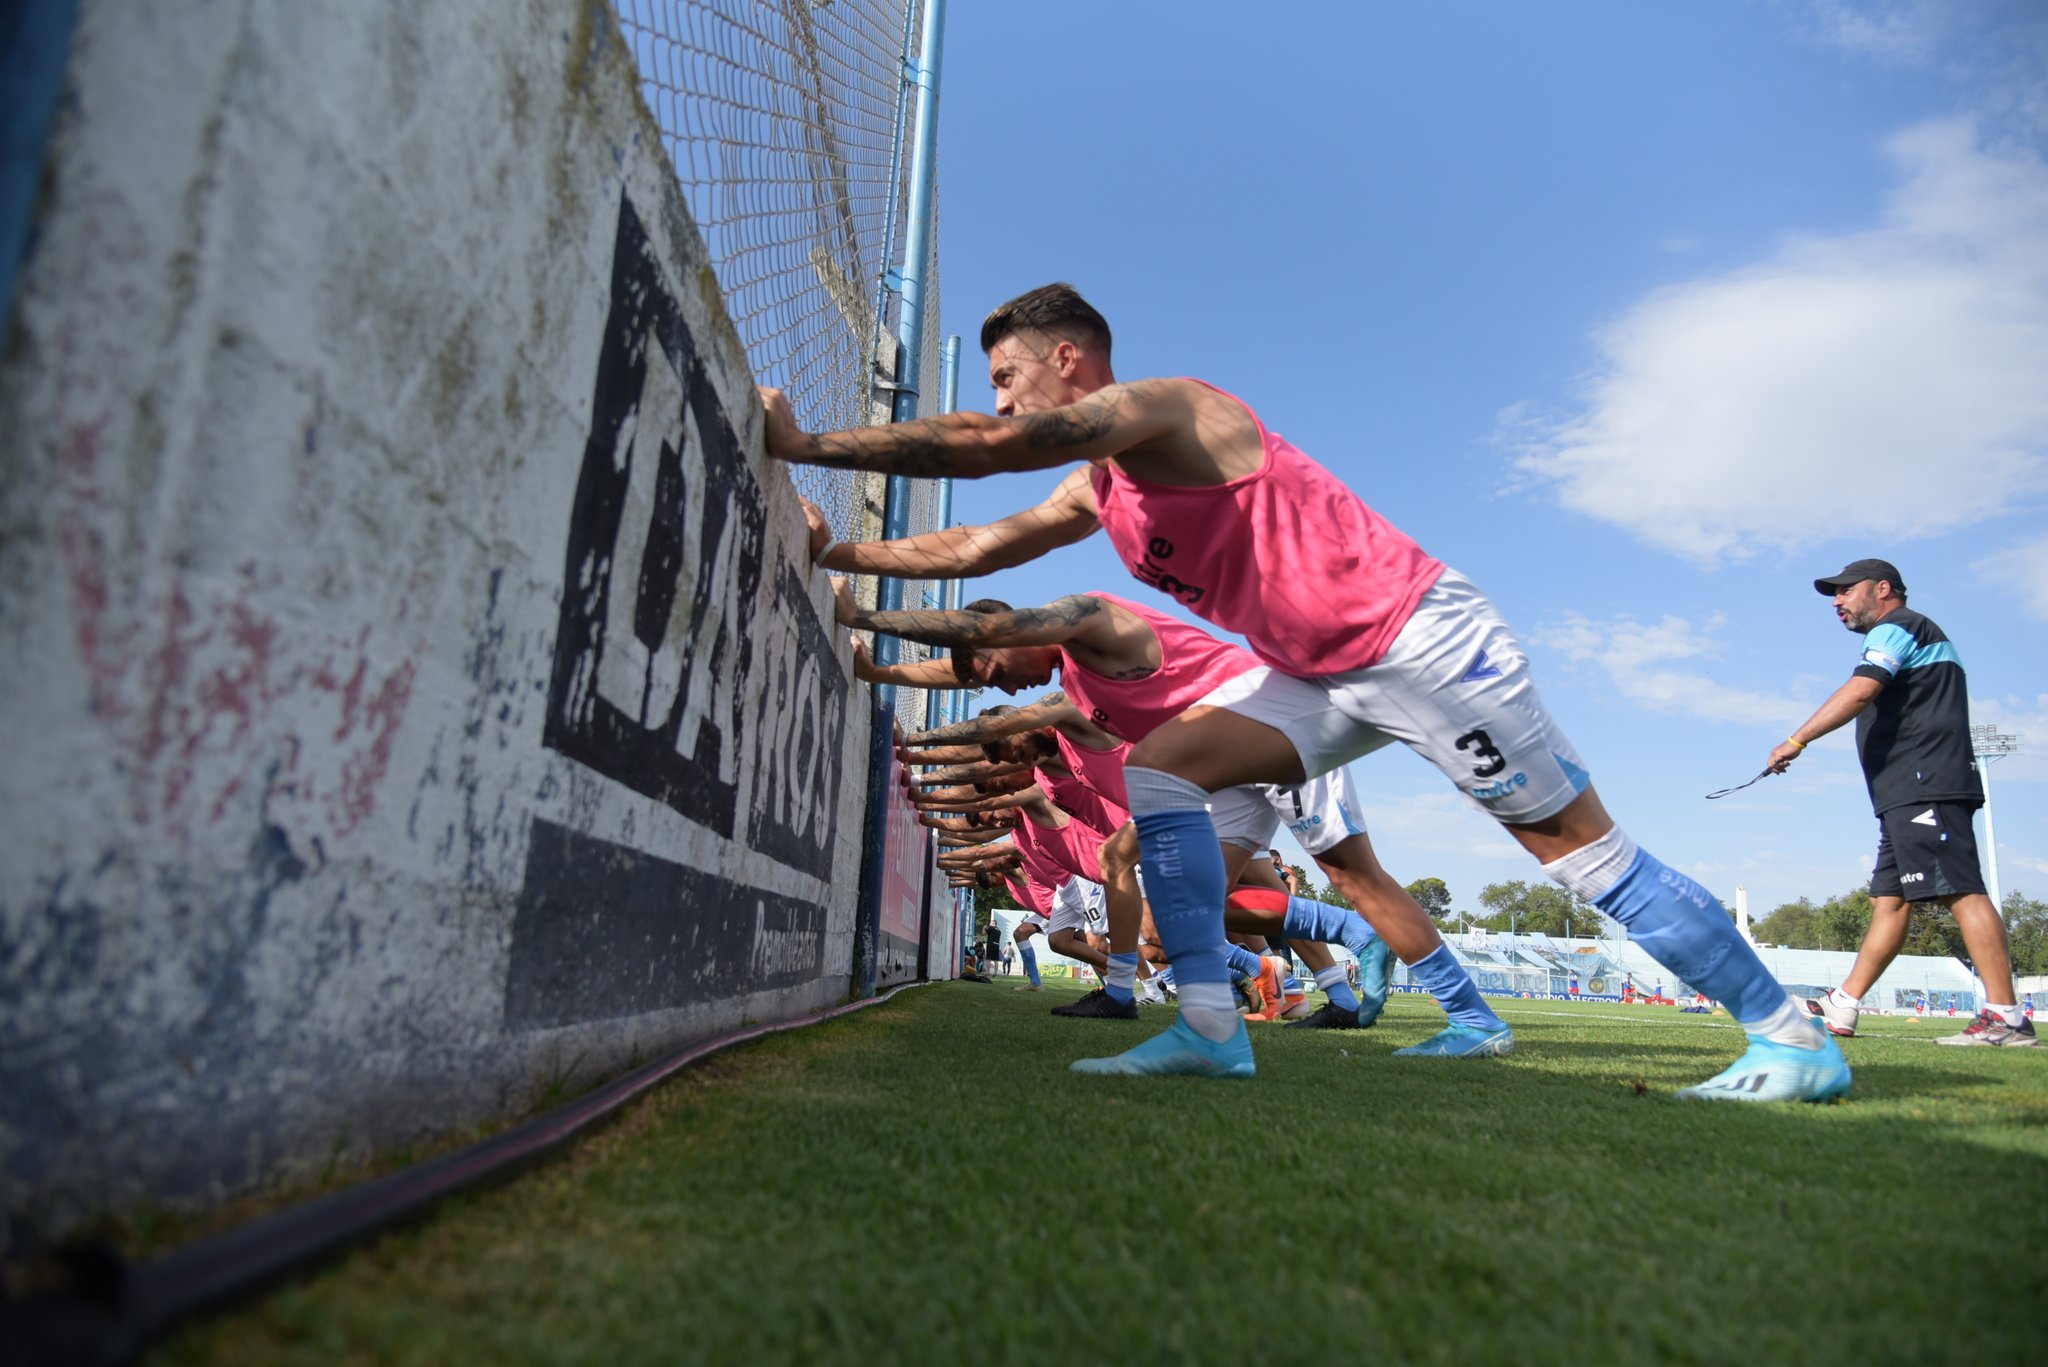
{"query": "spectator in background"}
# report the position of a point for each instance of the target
(1287, 874)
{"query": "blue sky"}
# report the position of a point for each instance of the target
(1643, 316)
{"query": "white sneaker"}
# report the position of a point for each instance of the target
(1837, 1016)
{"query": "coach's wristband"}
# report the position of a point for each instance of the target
(823, 551)
(1795, 741)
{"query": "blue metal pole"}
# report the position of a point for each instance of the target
(917, 244)
(955, 705)
(917, 241)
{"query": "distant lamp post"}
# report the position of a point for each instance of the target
(1987, 743)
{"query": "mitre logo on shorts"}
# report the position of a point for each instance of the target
(1912, 878)
(1152, 570)
(1494, 792)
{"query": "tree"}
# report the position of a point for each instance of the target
(1536, 908)
(1793, 925)
(1841, 923)
(1328, 893)
(997, 898)
(1931, 929)
(2026, 925)
(1433, 897)
(1845, 920)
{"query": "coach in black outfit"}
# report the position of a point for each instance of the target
(1911, 706)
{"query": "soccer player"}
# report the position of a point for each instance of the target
(1364, 638)
(1126, 670)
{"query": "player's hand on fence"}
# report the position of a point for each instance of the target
(844, 610)
(821, 530)
(863, 667)
(783, 438)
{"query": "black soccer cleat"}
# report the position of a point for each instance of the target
(1330, 1016)
(1100, 1005)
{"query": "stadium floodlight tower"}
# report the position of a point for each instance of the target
(1988, 743)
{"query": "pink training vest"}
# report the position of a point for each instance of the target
(1073, 794)
(1029, 894)
(1192, 665)
(1075, 847)
(1287, 556)
(1102, 771)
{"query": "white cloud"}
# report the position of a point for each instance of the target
(2023, 570)
(1756, 410)
(1993, 53)
(1905, 32)
(1634, 655)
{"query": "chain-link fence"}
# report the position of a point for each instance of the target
(789, 124)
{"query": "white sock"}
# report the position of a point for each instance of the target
(1844, 999)
(1788, 1024)
(1209, 1010)
(2011, 1015)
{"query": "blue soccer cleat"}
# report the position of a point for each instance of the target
(1178, 1051)
(1462, 1041)
(1375, 977)
(1769, 1071)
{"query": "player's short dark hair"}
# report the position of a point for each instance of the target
(963, 656)
(1057, 310)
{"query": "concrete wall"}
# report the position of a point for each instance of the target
(413, 690)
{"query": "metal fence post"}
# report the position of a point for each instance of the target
(917, 239)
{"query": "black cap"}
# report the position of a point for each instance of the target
(1856, 571)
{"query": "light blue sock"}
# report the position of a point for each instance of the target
(1683, 928)
(1184, 882)
(1241, 961)
(1122, 976)
(1337, 988)
(1454, 990)
(1030, 963)
(1325, 924)
(1163, 976)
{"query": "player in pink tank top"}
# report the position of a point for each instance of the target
(1368, 640)
(1127, 670)
(1317, 581)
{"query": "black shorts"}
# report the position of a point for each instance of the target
(1926, 851)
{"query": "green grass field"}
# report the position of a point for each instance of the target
(925, 1181)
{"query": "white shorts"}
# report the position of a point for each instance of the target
(1079, 905)
(1034, 920)
(1454, 687)
(1322, 813)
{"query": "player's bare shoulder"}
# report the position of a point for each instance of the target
(1203, 436)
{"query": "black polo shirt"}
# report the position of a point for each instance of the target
(1914, 738)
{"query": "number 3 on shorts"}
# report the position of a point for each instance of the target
(1491, 761)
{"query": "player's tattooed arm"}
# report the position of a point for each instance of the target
(1058, 621)
(969, 773)
(1066, 516)
(1047, 710)
(968, 445)
(916, 674)
(942, 754)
